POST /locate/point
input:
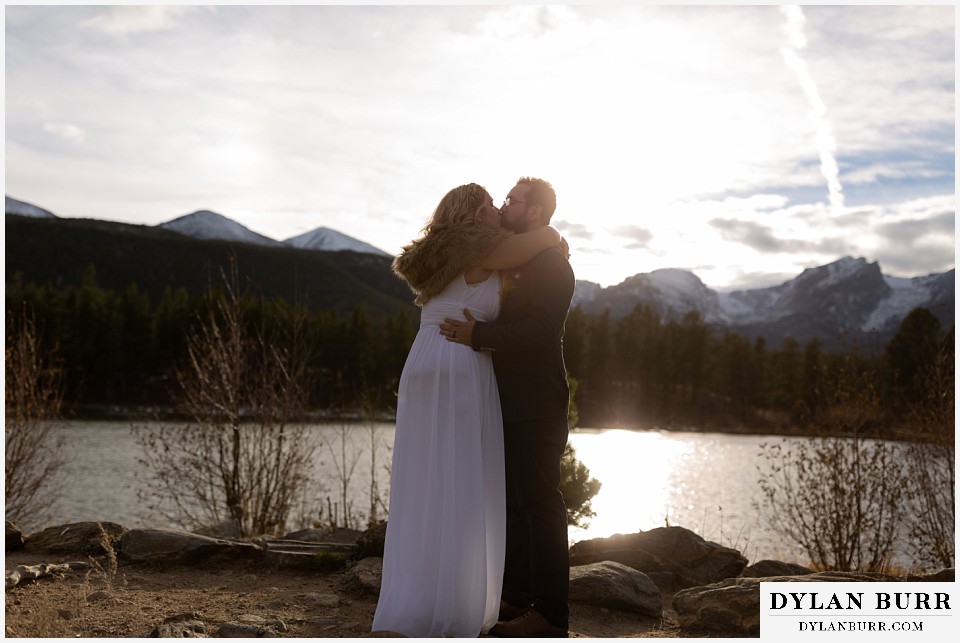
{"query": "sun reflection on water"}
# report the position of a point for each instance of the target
(635, 470)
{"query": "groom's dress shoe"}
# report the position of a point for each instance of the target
(530, 625)
(509, 612)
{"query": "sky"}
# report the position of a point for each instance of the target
(742, 143)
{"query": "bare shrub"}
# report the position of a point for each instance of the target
(837, 496)
(931, 463)
(33, 457)
(243, 456)
(345, 459)
(378, 504)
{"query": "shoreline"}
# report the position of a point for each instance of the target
(149, 413)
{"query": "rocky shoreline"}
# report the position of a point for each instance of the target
(665, 583)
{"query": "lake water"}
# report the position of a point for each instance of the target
(706, 482)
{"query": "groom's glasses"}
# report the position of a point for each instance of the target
(510, 201)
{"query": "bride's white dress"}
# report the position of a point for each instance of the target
(443, 557)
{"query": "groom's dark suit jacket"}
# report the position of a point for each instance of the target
(527, 338)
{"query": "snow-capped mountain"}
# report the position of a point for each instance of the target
(671, 292)
(327, 239)
(848, 298)
(24, 209)
(907, 294)
(851, 288)
(205, 224)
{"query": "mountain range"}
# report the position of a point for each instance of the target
(847, 303)
(64, 251)
(844, 304)
(204, 224)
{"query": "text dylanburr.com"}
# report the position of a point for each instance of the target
(844, 610)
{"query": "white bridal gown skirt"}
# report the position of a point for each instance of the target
(444, 550)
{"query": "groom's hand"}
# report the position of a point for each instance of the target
(457, 330)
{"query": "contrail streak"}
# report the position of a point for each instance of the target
(826, 144)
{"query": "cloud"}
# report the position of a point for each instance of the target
(917, 246)
(66, 131)
(912, 231)
(126, 20)
(749, 233)
(574, 230)
(763, 239)
(636, 236)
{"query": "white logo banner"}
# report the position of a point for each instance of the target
(857, 611)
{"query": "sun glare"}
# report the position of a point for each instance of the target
(634, 469)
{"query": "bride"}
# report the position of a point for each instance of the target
(444, 549)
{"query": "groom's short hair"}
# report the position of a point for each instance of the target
(541, 193)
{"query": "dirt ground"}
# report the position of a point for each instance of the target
(135, 599)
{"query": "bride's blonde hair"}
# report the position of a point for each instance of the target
(459, 206)
(452, 242)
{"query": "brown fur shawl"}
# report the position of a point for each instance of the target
(444, 253)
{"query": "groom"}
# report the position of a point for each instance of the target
(527, 345)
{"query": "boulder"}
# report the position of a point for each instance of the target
(340, 535)
(171, 546)
(225, 529)
(367, 574)
(14, 537)
(764, 568)
(616, 586)
(730, 607)
(673, 557)
(370, 542)
(85, 538)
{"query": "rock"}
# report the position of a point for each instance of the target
(225, 529)
(274, 624)
(614, 585)
(322, 600)
(732, 606)
(235, 630)
(340, 535)
(673, 557)
(181, 626)
(943, 576)
(23, 573)
(322, 621)
(250, 626)
(75, 538)
(766, 568)
(370, 542)
(306, 555)
(171, 546)
(14, 537)
(368, 574)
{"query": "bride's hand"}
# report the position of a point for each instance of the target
(457, 330)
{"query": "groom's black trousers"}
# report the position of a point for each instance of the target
(537, 567)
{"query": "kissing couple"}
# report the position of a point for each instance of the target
(476, 540)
